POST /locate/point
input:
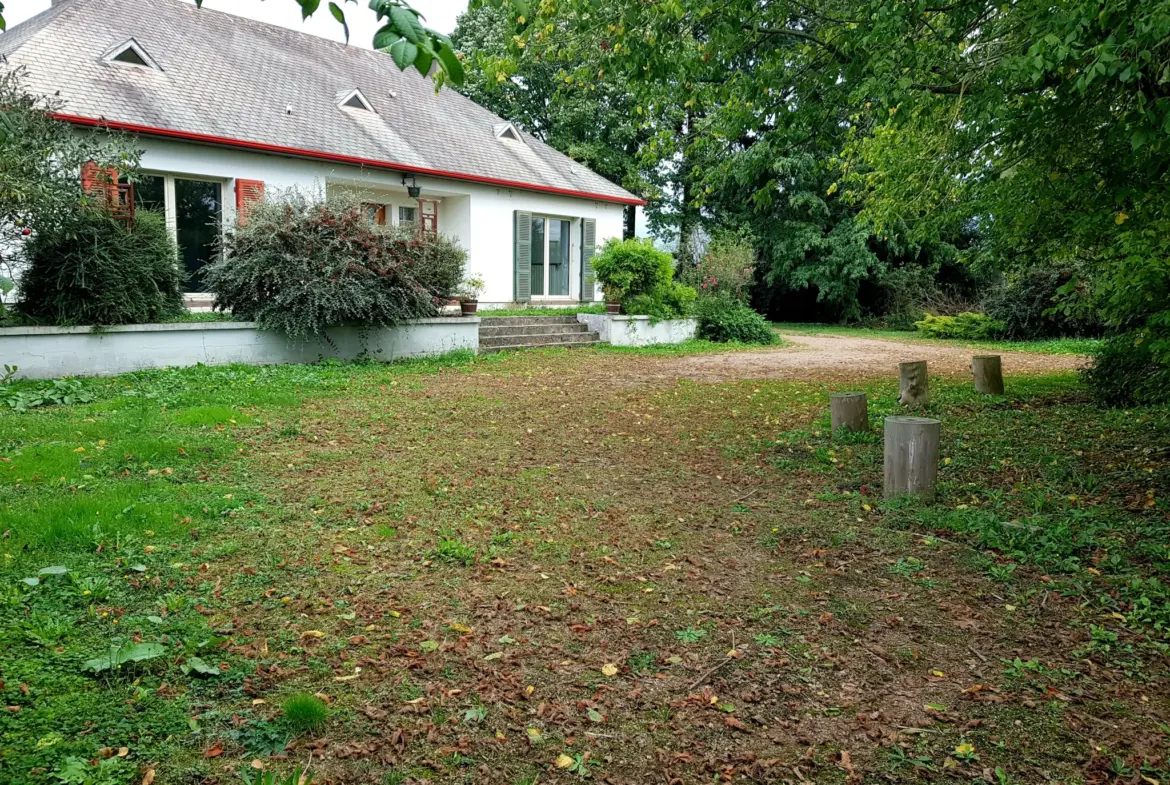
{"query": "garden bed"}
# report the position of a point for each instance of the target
(639, 330)
(51, 352)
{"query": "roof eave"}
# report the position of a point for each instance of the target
(170, 133)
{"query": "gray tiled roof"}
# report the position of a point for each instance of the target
(232, 78)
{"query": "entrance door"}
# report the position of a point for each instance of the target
(198, 204)
(550, 256)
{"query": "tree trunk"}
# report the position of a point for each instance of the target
(988, 371)
(849, 411)
(911, 456)
(914, 386)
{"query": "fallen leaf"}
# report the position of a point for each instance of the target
(214, 751)
(312, 634)
(564, 761)
(609, 669)
(148, 777)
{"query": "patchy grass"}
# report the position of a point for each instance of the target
(1048, 346)
(561, 565)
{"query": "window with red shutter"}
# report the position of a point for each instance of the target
(98, 182)
(248, 193)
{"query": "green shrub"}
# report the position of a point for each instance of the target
(724, 320)
(629, 268)
(674, 301)
(1043, 302)
(1126, 371)
(301, 266)
(967, 326)
(90, 268)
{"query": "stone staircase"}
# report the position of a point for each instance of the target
(500, 333)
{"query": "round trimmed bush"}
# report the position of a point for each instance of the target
(726, 321)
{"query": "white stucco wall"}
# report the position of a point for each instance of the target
(51, 352)
(638, 330)
(479, 216)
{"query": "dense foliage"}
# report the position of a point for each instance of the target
(1044, 301)
(40, 169)
(93, 269)
(301, 266)
(857, 139)
(725, 320)
(1127, 371)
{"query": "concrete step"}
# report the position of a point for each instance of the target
(495, 331)
(537, 339)
(521, 347)
(523, 321)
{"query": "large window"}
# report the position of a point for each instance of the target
(550, 256)
(194, 213)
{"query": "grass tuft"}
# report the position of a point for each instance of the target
(304, 712)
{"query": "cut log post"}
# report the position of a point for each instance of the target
(911, 456)
(849, 411)
(914, 386)
(988, 371)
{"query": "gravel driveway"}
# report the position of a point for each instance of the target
(831, 357)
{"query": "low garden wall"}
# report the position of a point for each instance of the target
(51, 352)
(639, 330)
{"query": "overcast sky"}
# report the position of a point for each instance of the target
(440, 15)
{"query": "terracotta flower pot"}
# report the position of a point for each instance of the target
(468, 307)
(613, 308)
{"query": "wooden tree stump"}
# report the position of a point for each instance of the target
(914, 385)
(911, 456)
(988, 371)
(849, 411)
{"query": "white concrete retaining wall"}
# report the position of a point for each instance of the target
(639, 330)
(51, 352)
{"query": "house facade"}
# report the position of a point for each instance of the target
(228, 111)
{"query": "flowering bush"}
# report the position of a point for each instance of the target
(726, 270)
(301, 266)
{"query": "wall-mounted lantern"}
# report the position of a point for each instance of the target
(412, 188)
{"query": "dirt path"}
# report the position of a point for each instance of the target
(832, 357)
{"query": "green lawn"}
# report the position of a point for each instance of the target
(559, 564)
(1050, 346)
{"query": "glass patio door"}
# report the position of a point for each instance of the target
(550, 256)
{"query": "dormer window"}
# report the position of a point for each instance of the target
(507, 131)
(354, 100)
(131, 53)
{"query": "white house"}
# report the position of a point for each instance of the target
(226, 109)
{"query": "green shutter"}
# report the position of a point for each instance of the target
(588, 248)
(522, 256)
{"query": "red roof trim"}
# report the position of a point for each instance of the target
(322, 156)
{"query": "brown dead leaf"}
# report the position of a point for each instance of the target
(148, 777)
(214, 751)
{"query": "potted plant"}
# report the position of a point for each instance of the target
(468, 294)
(613, 300)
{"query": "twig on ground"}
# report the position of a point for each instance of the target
(737, 499)
(709, 671)
(976, 653)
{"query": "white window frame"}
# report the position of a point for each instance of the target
(573, 232)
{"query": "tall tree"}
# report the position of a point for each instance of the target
(1045, 127)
